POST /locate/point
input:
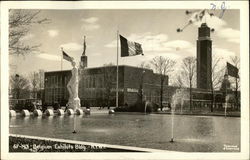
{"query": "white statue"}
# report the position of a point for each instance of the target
(72, 86)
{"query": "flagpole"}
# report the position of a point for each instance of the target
(117, 69)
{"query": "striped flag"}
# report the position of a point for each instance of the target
(129, 48)
(232, 70)
(67, 57)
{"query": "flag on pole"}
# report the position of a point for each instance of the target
(129, 48)
(67, 57)
(232, 70)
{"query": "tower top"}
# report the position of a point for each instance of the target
(204, 25)
(204, 32)
(84, 58)
(84, 46)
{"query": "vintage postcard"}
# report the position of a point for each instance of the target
(125, 80)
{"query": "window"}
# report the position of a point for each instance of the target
(90, 82)
(93, 82)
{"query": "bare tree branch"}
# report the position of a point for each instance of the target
(188, 72)
(187, 76)
(19, 86)
(217, 73)
(162, 66)
(20, 22)
(144, 65)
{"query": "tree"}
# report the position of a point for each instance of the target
(144, 65)
(163, 66)
(235, 60)
(188, 75)
(217, 76)
(108, 77)
(217, 72)
(20, 22)
(179, 81)
(34, 81)
(20, 86)
(37, 83)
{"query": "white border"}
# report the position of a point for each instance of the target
(244, 58)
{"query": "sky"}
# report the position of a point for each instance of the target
(155, 29)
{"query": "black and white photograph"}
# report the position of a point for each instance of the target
(125, 80)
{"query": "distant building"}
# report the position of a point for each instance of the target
(93, 87)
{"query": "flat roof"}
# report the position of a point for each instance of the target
(101, 67)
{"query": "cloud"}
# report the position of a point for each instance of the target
(149, 41)
(170, 55)
(90, 20)
(230, 35)
(220, 26)
(90, 27)
(190, 51)
(157, 42)
(223, 52)
(112, 44)
(177, 45)
(27, 37)
(71, 46)
(53, 33)
(158, 45)
(49, 57)
(212, 21)
(90, 24)
(224, 55)
(95, 54)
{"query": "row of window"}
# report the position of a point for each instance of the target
(55, 94)
(56, 81)
(61, 81)
(92, 82)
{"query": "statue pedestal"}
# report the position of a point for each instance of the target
(74, 103)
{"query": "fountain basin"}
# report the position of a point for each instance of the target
(192, 133)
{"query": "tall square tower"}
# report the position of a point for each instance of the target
(84, 58)
(204, 58)
(84, 61)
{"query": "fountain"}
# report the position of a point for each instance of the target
(226, 103)
(145, 108)
(172, 120)
(177, 98)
